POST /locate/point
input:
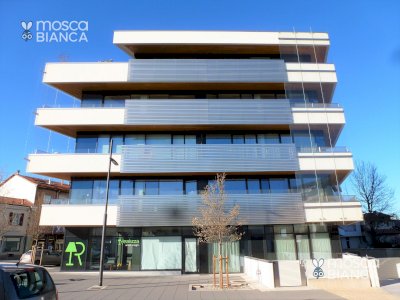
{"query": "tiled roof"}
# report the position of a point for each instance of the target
(47, 183)
(15, 201)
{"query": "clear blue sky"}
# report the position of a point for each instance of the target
(365, 47)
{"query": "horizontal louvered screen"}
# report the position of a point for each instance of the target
(178, 210)
(208, 158)
(206, 70)
(204, 111)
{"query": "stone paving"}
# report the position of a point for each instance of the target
(77, 286)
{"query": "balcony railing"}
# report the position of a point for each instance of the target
(339, 149)
(329, 198)
(208, 111)
(207, 70)
(208, 158)
(178, 210)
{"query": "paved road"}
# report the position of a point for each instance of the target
(77, 286)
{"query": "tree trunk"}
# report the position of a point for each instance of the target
(221, 278)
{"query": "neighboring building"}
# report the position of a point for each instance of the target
(37, 192)
(187, 105)
(351, 237)
(14, 218)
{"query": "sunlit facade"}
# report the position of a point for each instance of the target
(185, 106)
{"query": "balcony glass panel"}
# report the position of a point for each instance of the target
(118, 142)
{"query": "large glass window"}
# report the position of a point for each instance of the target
(151, 188)
(321, 245)
(99, 191)
(191, 187)
(158, 139)
(86, 144)
(114, 190)
(115, 101)
(92, 100)
(279, 185)
(171, 187)
(81, 191)
(127, 187)
(253, 186)
(218, 139)
(235, 186)
(118, 141)
(161, 253)
(135, 139)
(103, 143)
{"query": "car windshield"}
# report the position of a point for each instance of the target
(31, 282)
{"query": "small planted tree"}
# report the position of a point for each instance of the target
(216, 224)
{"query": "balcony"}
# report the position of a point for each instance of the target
(178, 210)
(340, 209)
(202, 74)
(194, 114)
(208, 159)
(205, 159)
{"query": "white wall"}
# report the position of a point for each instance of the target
(19, 187)
(79, 116)
(260, 270)
(77, 215)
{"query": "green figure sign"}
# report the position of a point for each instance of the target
(72, 249)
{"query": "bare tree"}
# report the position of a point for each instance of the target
(372, 191)
(215, 225)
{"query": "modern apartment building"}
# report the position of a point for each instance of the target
(185, 106)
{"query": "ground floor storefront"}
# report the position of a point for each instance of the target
(175, 248)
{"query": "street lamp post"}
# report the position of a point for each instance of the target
(103, 233)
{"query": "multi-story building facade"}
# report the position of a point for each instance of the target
(187, 105)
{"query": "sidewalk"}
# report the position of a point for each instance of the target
(78, 286)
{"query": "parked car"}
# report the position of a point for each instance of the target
(48, 258)
(20, 281)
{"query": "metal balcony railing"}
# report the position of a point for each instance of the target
(207, 70)
(208, 158)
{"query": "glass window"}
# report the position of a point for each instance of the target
(11, 244)
(81, 191)
(269, 138)
(218, 138)
(158, 139)
(301, 139)
(286, 138)
(190, 139)
(178, 139)
(139, 187)
(319, 138)
(99, 191)
(118, 141)
(253, 186)
(235, 186)
(114, 190)
(250, 139)
(151, 188)
(115, 101)
(171, 187)
(265, 186)
(162, 253)
(86, 144)
(229, 96)
(92, 100)
(127, 187)
(279, 185)
(191, 187)
(135, 139)
(238, 139)
(103, 143)
(321, 245)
